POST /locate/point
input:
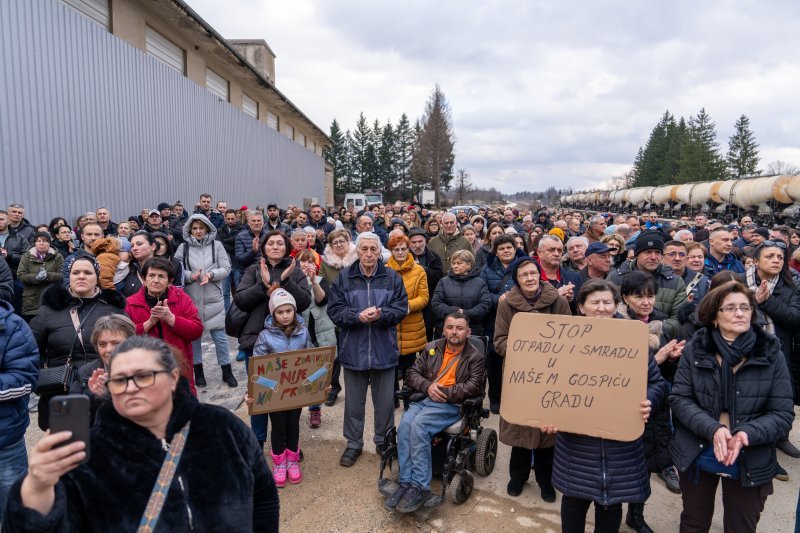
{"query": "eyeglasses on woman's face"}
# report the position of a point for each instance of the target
(142, 380)
(745, 309)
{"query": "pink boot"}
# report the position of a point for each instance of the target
(279, 468)
(293, 467)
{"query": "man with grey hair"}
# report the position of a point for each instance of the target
(576, 250)
(365, 224)
(597, 226)
(448, 240)
(567, 282)
(684, 235)
(246, 247)
(624, 231)
(366, 302)
(746, 236)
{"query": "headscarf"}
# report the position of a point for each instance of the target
(80, 254)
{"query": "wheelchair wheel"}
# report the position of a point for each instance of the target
(461, 486)
(486, 454)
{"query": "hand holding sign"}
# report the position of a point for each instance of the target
(576, 374)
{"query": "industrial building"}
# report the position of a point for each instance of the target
(128, 103)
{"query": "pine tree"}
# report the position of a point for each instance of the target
(742, 155)
(336, 155)
(434, 157)
(360, 148)
(463, 185)
(403, 152)
(701, 160)
(676, 141)
(386, 162)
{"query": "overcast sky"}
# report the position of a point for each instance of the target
(542, 93)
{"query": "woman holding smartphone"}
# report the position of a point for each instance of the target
(151, 415)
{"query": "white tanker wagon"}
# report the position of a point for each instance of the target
(766, 198)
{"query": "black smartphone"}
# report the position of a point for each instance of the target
(71, 413)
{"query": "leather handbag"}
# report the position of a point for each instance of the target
(235, 320)
(57, 380)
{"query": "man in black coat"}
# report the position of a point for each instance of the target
(433, 269)
(226, 234)
(6, 281)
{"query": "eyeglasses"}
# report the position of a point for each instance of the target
(527, 275)
(673, 254)
(731, 309)
(141, 379)
(776, 244)
(400, 250)
(339, 242)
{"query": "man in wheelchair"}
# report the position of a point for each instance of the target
(449, 371)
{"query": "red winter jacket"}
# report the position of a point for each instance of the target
(187, 328)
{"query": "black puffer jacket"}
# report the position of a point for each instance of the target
(55, 333)
(606, 471)
(762, 405)
(212, 491)
(252, 297)
(468, 292)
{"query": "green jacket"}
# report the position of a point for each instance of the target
(29, 267)
(445, 246)
(670, 296)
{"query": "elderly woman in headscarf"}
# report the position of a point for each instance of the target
(527, 295)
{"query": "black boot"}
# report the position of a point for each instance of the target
(199, 377)
(634, 519)
(227, 376)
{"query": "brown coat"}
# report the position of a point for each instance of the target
(470, 372)
(549, 302)
(107, 252)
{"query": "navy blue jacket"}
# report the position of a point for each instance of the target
(729, 262)
(244, 254)
(367, 346)
(19, 368)
(606, 471)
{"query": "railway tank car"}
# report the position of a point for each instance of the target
(765, 198)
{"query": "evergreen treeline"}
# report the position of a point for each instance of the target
(398, 160)
(684, 151)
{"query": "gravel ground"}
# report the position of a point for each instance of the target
(337, 499)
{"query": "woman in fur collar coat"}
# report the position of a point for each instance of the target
(150, 405)
(54, 327)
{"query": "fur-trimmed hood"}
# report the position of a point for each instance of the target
(51, 252)
(58, 297)
(655, 326)
(338, 262)
(106, 245)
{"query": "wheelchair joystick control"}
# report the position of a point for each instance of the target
(473, 434)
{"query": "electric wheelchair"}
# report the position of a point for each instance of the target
(456, 452)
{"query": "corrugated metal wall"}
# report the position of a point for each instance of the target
(87, 120)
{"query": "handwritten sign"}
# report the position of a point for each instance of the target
(289, 380)
(582, 375)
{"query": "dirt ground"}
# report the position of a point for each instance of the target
(337, 499)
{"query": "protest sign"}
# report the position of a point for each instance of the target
(582, 375)
(288, 380)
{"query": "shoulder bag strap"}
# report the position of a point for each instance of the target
(694, 282)
(159, 494)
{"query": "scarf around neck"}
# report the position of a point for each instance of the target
(732, 354)
(753, 283)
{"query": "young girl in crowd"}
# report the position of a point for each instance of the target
(284, 331)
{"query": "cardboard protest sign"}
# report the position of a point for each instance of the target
(288, 380)
(582, 375)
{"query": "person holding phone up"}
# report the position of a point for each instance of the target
(151, 421)
(163, 311)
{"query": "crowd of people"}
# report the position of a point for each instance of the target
(398, 289)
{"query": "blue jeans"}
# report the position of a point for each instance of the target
(13, 465)
(258, 423)
(797, 516)
(220, 339)
(420, 423)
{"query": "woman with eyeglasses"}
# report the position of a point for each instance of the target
(411, 331)
(778, 300)
(339, 254)
(68, 488)
(731, 401)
